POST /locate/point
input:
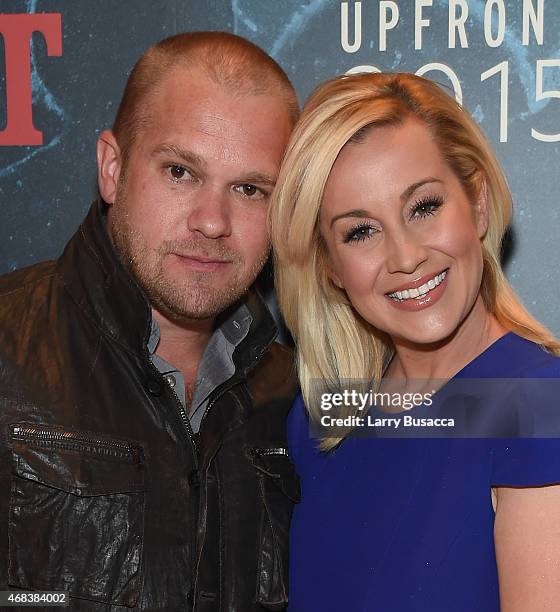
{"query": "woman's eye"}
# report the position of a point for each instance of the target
(425, 207)
(177, 173)
(359, 233)
(250, 191)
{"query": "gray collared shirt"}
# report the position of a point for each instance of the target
(216, 365)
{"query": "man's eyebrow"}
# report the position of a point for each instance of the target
(412, 188)
(360, 213)
(196, 160)
(259, 178)
(184, 154)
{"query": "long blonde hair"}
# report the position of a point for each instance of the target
(333, 341)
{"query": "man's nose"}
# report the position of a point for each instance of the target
(210, 213)
(404, 252)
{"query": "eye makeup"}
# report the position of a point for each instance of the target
(360, 232)
(425, 206)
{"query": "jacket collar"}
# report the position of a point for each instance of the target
(106, 292)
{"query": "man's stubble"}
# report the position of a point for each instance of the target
(199, 296)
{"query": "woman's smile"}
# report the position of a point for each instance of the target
(420, 294)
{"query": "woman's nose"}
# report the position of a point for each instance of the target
(404, 253)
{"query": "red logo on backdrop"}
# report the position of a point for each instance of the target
(17, 31)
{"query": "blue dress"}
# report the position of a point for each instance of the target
(406, 524)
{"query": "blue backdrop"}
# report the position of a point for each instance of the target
(500, 57)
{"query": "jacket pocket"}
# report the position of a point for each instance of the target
(76, 513)
(280, 490)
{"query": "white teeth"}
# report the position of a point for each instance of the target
(407, 294)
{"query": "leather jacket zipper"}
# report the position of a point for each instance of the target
(228, 384)
(265, 452)
(217, 393)
(187, 428)
(74, 440)
(182, 413)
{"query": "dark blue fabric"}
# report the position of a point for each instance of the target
(406, 525)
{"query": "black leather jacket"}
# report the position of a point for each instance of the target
(106, 493)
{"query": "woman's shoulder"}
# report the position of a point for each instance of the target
(530, 358)
(532, 458)
(513, 356)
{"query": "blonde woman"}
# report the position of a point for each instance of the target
(387, 225)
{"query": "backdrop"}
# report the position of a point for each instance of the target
(64, 63)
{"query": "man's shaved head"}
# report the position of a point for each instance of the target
(230, 61)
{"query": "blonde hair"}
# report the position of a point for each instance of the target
(333, 341)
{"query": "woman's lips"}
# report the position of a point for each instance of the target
(421, 294)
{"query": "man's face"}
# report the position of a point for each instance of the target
(189, 216)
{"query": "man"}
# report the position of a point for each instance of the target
(143, 397)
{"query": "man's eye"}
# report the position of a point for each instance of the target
(250, 191)
(177, 173)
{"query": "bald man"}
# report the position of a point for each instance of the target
(143, 396)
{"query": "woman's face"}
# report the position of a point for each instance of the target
(402, 235)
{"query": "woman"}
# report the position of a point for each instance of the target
(387, 224)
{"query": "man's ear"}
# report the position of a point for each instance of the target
(481, 208)
(109, 164)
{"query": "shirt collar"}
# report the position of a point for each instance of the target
(234, 327)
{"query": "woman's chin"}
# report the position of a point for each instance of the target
(424, 338)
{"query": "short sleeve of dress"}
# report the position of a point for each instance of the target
(532, 459)
(525, 462)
